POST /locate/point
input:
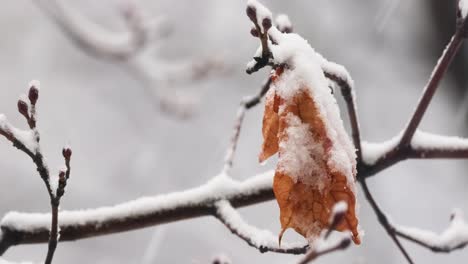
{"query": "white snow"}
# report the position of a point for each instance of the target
(321, 244)
(336, 69)
(282, 21)
(452, 237)
(431, 141)
(221, 259)
(463, 6)
(27, 137)
(371, 152)
(3, 261)
(220, 187)
(305, 72)
(262, 12)
(302, 157)
(340, 207)
(257, 236)
(36, 84)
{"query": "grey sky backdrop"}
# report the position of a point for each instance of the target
(123, 148)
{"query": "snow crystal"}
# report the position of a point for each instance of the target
(463, 6)
(302, 157)
(220, 187)
(452, 237)
(305, 72)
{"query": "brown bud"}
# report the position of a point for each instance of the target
(66, 152)
(62, 177)
(23, 108)
(344, 243)
(252, 13)
(254, 32)
(33, 95)
(266, 23)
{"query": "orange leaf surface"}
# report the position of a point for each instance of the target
(310, 178)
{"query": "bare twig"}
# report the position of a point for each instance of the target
(245, 105)
(431, 87)
(383, 220)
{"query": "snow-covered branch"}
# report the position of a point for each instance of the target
(262, 240)
(220, 196)
(28, 142)
(452, 238)
(25, 228)
(379, 156)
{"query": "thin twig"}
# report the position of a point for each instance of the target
(7, 130)
(245, 105)
(383, 220)
(313, 254)
(226, 214)
(433, 248)
(347, 91)
(431, 87)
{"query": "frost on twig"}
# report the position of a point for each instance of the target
(134, 49)
(28, 142)
(424, 145)
(262, 240)
(452, 238)
(25, 228)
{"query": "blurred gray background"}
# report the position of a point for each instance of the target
(124, 148)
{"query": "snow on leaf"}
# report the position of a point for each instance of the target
(316, 166)
(317, 161)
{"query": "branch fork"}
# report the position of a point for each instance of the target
(31, 146)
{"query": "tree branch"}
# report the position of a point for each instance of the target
(245, 105)
(28, 142)
(383, 220)
(24, 228)
(453, 238)
(431, 87)
(262, 240)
